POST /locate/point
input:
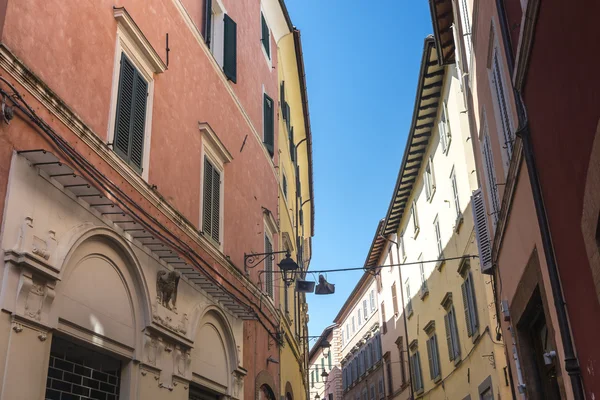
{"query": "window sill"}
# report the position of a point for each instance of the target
(424, 293)
(447, 149)
(417, 230)
(430, 198)
(440, 262)
(457, 361)
(437, 379)
(409, 313)
(213, 242)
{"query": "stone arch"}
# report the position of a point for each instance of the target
(99, 274)
(289, 392)
(590, 216)
(263, 381)
(214, 355)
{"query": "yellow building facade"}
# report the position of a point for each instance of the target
(296, 212)
(440, 293)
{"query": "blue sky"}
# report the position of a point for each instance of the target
(362, 63)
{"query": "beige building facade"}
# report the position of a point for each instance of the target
(450, 336)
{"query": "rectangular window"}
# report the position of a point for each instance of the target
(365, 309)
(490, 174)
(444, 128)
(390, 382)
(268, 125)
(415, 217)
(372, 392)
(265, 36)
(395, 299)
(455, 194)
(347, 332)
(438, 237)
(417, 376)
(466, 30)
(284, 184)
(402, 249)
(230, 48)
(344, 383)
(312, 378)
(323, 364)
(329, 361)
(408, 299)
(424, 289)
(470, 304)
(269, 268)
(372, 300)
(434, 359)
(429, 179)
(292, 145)
(211, 210)
(400, 343)
(499, 89)
(359, 317)
(381, 387)
(343, 338)
(383, 319)
(130, 122)
(365, 395)
(452, 334)
(353, 326)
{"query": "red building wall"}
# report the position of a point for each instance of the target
(71, 47)
(562, 96)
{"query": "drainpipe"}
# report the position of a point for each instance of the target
(571, 362)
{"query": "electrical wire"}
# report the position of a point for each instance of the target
(90, 170)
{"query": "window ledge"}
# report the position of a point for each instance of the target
(129, 25)
(459, 220)
(409, 313)
(437, 379)
(424, 293)
(430, 198)
(417, 230)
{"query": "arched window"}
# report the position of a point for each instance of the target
(265, 393)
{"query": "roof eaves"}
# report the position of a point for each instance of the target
(441, 23)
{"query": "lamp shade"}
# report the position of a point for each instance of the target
(287, 264)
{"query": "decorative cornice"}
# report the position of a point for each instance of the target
(214, 142)
(129, 25)
(429, 327)
(447, 300)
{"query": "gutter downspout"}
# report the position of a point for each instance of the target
(571, 361)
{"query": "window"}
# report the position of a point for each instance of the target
(374, 353)
(220, 35)
(343, 339)
(265, 36)
(268, 124)
(312, 379)
(391, 257)
(485, 389)
(395, 299)
(381, 388)
(470, 305)
(452, 333)
(502, 112)
(353, 326)
(364, 394)
(372, 392)
(434, 358)
(378, 346)
(329, 361)
(455, 195)
(344, 382)
(361, 363)
(466, 30)
(130, 119)
(368, 358)
(211, 198)
(388, 368)
(424, 289)
(409, 309)
(365, 309)
(347, 332)
(372, 300)
(415, 217)
(481, 232)
(323, 364)
(284, 184)
(383, 319)
(269, 270)
(359, 317)
(402, 249)
(417, 376)
(444, 128)
(400, 344)
(490, 174)
(438, 237)
(429, 179)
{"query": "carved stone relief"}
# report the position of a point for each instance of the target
(167, 359)
(28, 242)
(35, 296)
(170, 319)
(166, 288)
(238, 383)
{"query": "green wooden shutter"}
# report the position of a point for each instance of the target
(230, 49)
(130, 118)
(282, 100)
(473, 304)
(207, 198)
(138, 123)
(449, 336)
(124, 106)
(266, 41)
(216, 205)
(292, 145)
(454, 327)
(207, 28)
(463, 288)
(268, 129)
(430, 357)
